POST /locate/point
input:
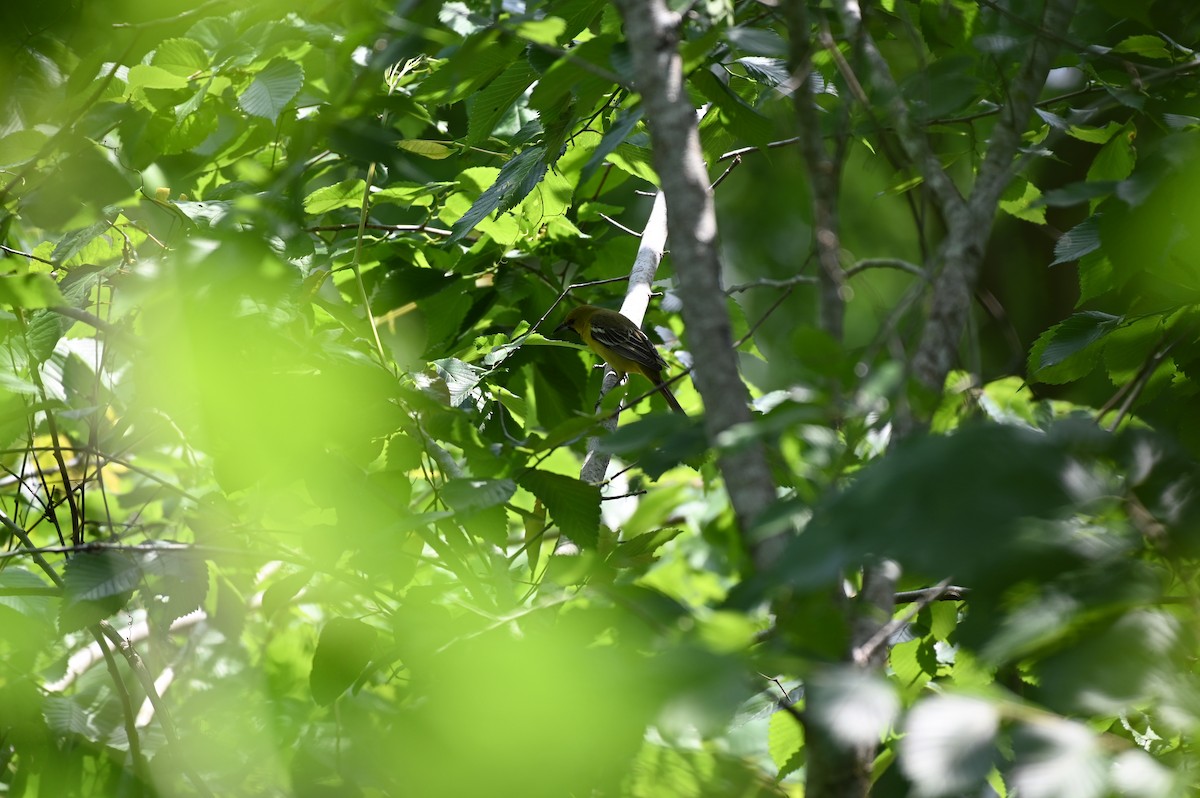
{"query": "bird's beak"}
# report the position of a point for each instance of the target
(566, 325)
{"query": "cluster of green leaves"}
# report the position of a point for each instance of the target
(278, 409)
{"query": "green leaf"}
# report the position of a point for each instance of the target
(412, 195)
(96, 585)
(73, 242)
(1095, 277)
(635, 161)
(743, 120)
(21, 145)
(460, 379)
(516, 179)
(1021, 200)
(909, 666)
(768, 71)
(470, 495)
(204, 214)
(1094, 135)
(482, 56)
(29, 291)
(489, 105)
(576, 15)
(178, 581)
(144, 76)
(854, 707)
(343, 650)
(572, 504)
(272, 89)
(639, 551)
(1080, 240)
(785, 743)
(1145, 45)
(909, 505)
(36, 607)
(659, 443)
(281, 592)
(182, 57)
(1085, 678)
(1070, 337)
(1075, 193)
(434, 150)
(42, 335)
(626, 121)
(1116, 159)
(566, 78)
(547, 30)
(346, 194)
(66, 716)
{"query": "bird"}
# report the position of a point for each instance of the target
(622, 345)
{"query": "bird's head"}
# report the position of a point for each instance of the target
(575, 319)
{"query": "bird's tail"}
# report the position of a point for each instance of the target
(670, 397)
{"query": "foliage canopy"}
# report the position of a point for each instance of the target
(291, 455)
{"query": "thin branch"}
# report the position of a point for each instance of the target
(128, 715)
(56, 446)
(746, 150)
(199, 10)
(768, 282)
(867, 650)
(931, 594)
(734, 164)
(1138, 385)
(620, 226)
(886, 263)
(393, 228)
(165, 721)
(28, 255)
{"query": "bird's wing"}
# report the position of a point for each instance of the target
(629, 342)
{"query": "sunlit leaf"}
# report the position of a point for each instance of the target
(29, 291)
(516, 179)
(347, 194)
(434, 150)
(272, 89)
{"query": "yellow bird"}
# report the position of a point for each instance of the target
(621, 344)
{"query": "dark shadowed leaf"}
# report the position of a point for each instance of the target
(940, 506)
(96, 585)
(572, 504)
(343, 651)
(1078, 241)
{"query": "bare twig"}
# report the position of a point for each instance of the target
(869, 648)
(28, 255)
